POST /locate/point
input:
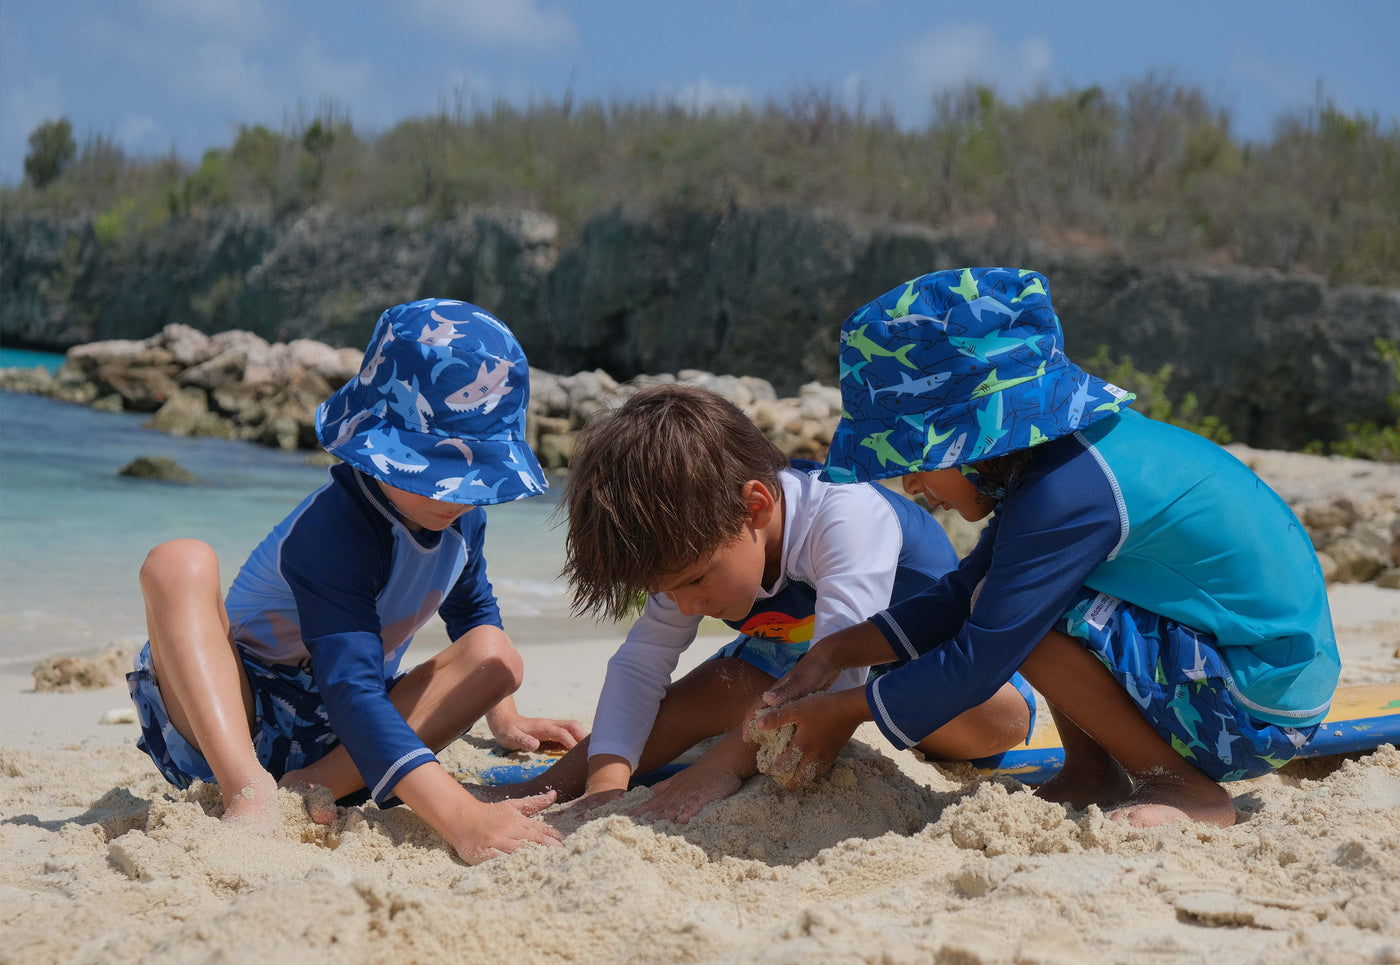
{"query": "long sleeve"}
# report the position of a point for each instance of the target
(1050, 533)
(637, 677)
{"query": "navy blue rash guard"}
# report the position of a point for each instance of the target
(343, 584)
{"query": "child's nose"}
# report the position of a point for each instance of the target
(687, 603)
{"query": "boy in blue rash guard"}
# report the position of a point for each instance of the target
(1166, 603)
(677, 499)
(295, 675)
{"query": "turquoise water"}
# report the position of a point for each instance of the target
(24, 358)
(73, 533)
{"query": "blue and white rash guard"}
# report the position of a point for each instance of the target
(344, 584)
(1142, 511)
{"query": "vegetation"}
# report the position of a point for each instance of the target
(1370, 440)
(51, 148)
(1150, 172)
(1151, 391)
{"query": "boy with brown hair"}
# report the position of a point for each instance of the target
(678, 500)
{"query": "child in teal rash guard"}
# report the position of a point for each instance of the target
(1162, 599)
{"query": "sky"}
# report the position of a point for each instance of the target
(157, 75)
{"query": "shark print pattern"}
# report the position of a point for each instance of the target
(958, 366)
(1175, 676)
(438, 407)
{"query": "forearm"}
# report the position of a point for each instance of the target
(436, 797)
(861, 645)
(607, 772)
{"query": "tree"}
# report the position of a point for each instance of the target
(51, 147)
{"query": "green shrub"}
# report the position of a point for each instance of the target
(51, 148)
(1151, 391)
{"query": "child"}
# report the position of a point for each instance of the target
(294, 676)
(1165, 602)
(678, 495)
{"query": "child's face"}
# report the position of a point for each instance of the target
(424, 512)
(724, 585)
(947, 489)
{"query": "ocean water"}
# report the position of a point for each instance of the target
(73, 533)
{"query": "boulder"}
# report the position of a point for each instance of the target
(161, 468)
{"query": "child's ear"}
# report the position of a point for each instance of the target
(760, 502)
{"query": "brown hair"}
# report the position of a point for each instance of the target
(998, 473)
(654, 486)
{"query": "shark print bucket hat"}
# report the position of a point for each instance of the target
(438, 407)
(954, 367)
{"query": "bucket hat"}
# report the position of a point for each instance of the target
(954, 367)
(438, 407)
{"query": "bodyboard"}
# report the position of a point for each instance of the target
(1362, 718)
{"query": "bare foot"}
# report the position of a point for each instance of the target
(1162, 801)
(1079, 787)
(254, 805)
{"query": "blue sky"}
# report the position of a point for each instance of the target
(153, 74)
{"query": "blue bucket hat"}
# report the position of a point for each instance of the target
(438, 408)
(955, 367)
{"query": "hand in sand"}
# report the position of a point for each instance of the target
(815, 727)
(591, 801)
(515, 732)
(682, 795)
(319, 801)
(496, 829)
(811, 674)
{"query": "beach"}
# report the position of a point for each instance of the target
(887, 859)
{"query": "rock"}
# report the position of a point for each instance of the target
(106, 668)
(161, 468)
(1389, 579)
(187, 346)
(555, 451)
(1329, 567)
(1357, 560)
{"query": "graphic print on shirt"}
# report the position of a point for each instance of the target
(788, 616)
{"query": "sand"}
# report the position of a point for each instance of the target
(887, 859)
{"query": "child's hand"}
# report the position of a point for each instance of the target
(682, 795)
(591, 801)
(517, 733)
(811, 674)
(823, 725)
(497, 829)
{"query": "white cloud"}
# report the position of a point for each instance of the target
(140, 134)
(246, 20)
(521, 24)
(952, 56)
(704, 94)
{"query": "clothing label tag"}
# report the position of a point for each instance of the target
(1101, 610)
(1115, 391)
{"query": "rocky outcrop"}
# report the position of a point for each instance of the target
(1283, 360)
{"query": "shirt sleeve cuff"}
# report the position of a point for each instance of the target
(384, 789)
(881, 715)
(903, 647)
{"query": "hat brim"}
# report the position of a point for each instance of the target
(1060, 403)
(474, 472)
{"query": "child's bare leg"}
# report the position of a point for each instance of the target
(1083, 692)
(200, 675)
(711, 699)
(1089, 775)
(993, 726)
(440, 699)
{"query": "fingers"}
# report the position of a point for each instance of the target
(528, 806)
(565, 733)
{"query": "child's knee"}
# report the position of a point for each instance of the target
(179, 563)
(494, 657)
